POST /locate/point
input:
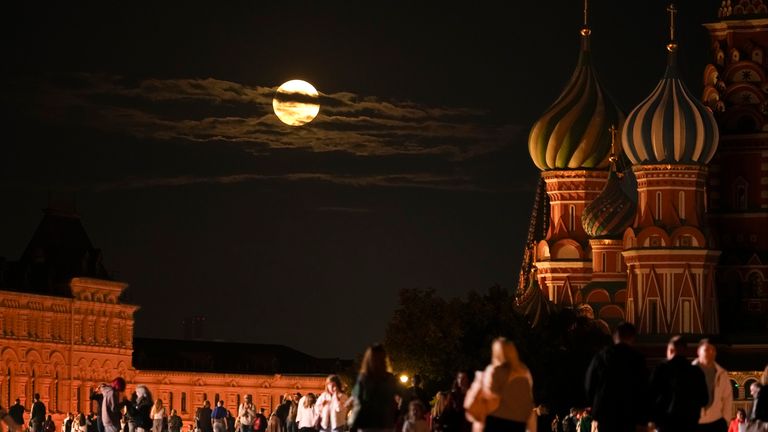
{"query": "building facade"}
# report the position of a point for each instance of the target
(64, 330)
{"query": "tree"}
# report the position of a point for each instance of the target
(437, 337)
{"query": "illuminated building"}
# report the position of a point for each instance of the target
(64, 330)
(689, 253)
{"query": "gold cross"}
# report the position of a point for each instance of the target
(672, 11)
(586, 9)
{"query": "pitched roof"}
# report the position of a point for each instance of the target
(59, 250)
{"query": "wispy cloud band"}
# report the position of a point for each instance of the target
(420, 180)
(233, 112)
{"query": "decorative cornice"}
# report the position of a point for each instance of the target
(227, 377)
(669, 168)
(607, 242)
(671, 251)
(574, 174)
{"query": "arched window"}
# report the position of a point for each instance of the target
(9, 386)
(735, 389)
(604, 268)
(658, 205)
(757, 287)
(681, 204)
(32, 383)
(54, 404)
(653, 316)
(686, 316)
(571, 218)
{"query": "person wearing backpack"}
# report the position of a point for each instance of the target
(260, 423)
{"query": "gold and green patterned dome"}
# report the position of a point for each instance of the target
(611, 213)
(573, 132)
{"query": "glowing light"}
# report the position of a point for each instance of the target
(404, 378)
(296, 103)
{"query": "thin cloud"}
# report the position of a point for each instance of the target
(237, 113)
(344, 210)
(416, 180)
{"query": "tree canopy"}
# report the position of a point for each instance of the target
(437, 337)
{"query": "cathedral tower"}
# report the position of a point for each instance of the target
(735, 87)
(571, 143)
(670, 138)
(604, 220)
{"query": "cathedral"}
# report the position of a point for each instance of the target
(659, 217)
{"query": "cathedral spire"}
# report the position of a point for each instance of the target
(614, 137)
(672, 45)
(585, 30)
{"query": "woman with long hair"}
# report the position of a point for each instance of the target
(293, 401)
(438, 409)
(508, 385)
(331, 406)
(80, 424)
(375, 409)
(157, 414)
(305, 413)
(140, 409)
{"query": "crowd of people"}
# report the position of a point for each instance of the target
(38, 421)
(678, 395)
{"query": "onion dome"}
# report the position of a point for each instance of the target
(612, 212)
(670, 126)
(573, 132)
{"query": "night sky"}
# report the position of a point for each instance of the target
(156, 117)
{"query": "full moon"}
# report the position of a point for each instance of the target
(296, 103)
